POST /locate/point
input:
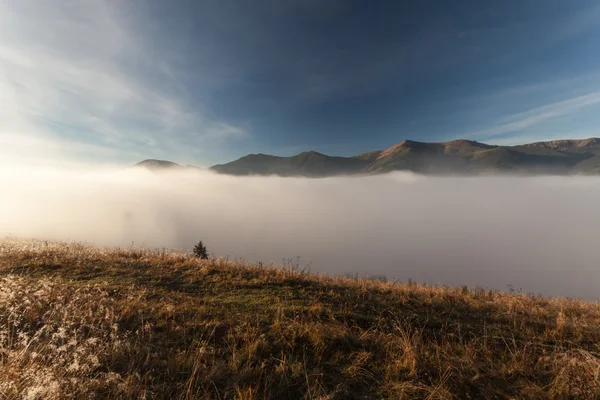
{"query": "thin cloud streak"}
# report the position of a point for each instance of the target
(530, 118)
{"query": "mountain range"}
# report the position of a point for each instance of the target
(457, 157)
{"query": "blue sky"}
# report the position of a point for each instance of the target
(203, 82)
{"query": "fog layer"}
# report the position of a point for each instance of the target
(537, 234)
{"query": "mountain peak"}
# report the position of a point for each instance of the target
(567, 144)
(154, 164)
(395, 148)
(590, 142)
(407, 146)
(459, 156)
(465, 147)
(311, 153)
(466, 142)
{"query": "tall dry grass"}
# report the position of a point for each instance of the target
(79, 322)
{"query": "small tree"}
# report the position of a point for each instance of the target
(200, 251)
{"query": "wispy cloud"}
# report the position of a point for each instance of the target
(82, 74)
(528, 119)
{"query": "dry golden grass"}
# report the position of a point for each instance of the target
(78, 322)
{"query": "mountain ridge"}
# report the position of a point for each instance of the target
(461, 156)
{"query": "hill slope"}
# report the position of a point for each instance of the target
(470, 157)
(79, 322)
(454, 157)
(309, 163)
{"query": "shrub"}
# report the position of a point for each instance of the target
(200, 251)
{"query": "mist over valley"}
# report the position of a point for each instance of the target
(537, 234)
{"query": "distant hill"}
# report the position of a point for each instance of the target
(309, 163)
(162, 165)
(454, 157)
(157, 164)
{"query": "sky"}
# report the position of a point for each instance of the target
(203, 82)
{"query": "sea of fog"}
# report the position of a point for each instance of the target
(538, 234)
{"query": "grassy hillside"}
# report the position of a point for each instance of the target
(78, 322)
